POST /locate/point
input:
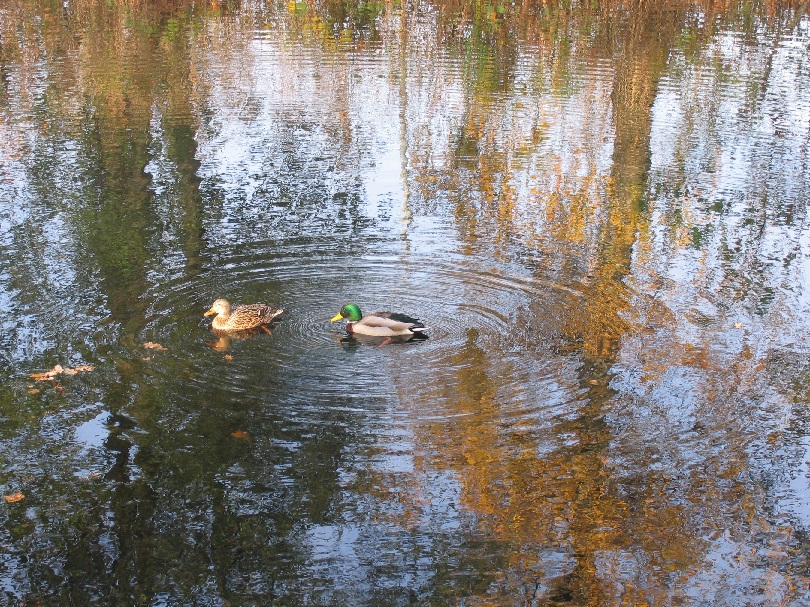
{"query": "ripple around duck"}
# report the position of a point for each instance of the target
(477, 317)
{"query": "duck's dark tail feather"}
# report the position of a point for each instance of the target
(419, 332)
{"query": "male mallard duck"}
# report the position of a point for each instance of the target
(380, 324)
(241, 318)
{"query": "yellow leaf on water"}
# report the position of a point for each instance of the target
(738, 325)
(14, 497)
(59, 370)
(150, 345)
(240, 434)
(228, 357)
(48, 374)
(83, 368)
(79, 369)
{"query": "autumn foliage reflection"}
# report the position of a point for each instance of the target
(532, 126)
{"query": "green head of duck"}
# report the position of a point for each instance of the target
(349, 312)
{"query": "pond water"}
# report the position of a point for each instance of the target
(600, 209)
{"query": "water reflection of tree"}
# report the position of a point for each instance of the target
(606, 532)
(115, 59)
(569, 497)
(605, 535)
(135, 81)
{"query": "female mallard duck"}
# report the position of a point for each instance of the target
(241, 318)
(380, 324)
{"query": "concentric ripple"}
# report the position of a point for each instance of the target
(495, 321)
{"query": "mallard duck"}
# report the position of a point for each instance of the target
(241, 318)
(380, 324)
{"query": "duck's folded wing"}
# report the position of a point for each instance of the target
(396, 317)
(373, 321)
(260, 311)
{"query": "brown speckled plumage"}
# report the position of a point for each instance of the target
(241, 318)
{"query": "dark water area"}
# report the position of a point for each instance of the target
(600, 210)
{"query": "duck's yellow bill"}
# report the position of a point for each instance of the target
(211, 311)
(338, 317)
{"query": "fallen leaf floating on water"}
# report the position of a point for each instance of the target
(240, 434)
(150, 345)
(59, 369)
(14, 497)
(78, 369)
(738, 325)
(228, 357)
(48, 374)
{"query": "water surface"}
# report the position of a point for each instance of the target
(600, 210)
